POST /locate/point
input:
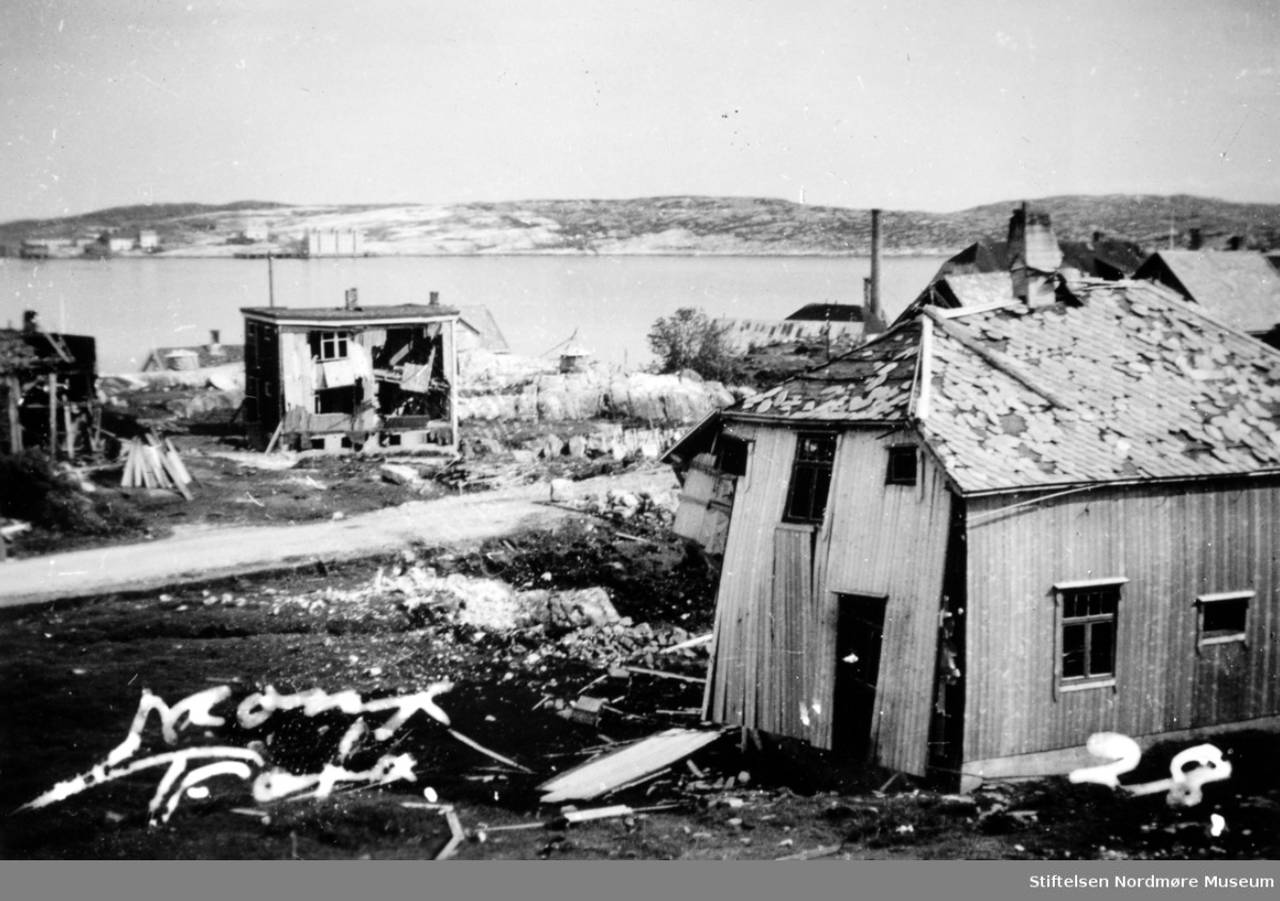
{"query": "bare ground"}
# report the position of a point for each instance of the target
(72, 674)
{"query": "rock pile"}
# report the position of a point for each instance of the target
(551, 397)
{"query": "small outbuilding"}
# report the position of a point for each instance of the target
(352, 377)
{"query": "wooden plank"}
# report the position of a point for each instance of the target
(626, 766)
(181, 467)
(166, 466)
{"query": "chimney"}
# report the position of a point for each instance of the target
(434, 299)
(1034, 256)
(351, 300)
(1195, 239)
(30, 321)
(873, 318)
(215, 346)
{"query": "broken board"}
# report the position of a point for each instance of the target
(624, 767)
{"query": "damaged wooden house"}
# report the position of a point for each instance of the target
(964, 547)
(48, 389)
(352, 377)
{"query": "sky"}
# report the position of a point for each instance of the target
(933, 105)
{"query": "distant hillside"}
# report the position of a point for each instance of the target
(653, 225)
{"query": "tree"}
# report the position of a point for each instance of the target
(689, 339)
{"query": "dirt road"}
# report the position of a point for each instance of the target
(203, 553)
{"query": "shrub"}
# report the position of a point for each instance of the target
(689, 339)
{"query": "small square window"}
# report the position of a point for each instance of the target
(903, 463)
(1223, 617)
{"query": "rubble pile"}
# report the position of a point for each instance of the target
(536, 625)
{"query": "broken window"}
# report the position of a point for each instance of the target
(902, 465)
(336, 400)
(731, 455)
(810, 477)
(1223, 617)
(328, 345)
(1087, 629)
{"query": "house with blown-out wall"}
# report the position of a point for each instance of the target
(965, 546)
(352, 377)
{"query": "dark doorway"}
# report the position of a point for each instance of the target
(859, 633)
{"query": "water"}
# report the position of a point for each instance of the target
(133, 305)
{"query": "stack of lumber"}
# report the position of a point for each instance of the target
(152, 463)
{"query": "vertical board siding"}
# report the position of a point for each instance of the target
(786, 648)
(1172, 543)
(744, 598)
(887, 540)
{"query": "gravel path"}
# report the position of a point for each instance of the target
(199, 554)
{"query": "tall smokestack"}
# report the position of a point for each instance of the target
(873, 317)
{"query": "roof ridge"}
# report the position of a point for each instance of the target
(997, 360)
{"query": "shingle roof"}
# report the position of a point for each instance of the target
(872, 383)
(1239, 287)
(974, 289)
(1128, 382)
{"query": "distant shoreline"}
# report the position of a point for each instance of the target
(508, 254)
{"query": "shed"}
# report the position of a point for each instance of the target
(352, 377)
(48, 391)
(972, 542)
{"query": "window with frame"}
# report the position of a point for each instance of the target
(903, 464)
(810, 477)
(328, 345)
(1087, 621)
(1223, 617)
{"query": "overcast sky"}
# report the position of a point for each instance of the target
(906, 104)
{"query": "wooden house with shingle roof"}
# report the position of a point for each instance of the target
(969, 544)
(1241, 288)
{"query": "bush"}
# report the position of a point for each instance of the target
(32, 491)
(689, 339)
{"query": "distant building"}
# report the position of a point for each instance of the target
(333, 242)
(1240, 288)
(195, 356)
(147, 239)
(352, 377)
(816, 322)
(1103, 256)
(254, 232)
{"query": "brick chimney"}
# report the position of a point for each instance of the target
(351, 300)
(434, 300)
(1034, 256)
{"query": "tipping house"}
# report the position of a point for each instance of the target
(994, 530)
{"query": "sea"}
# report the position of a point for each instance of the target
(607, 304)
